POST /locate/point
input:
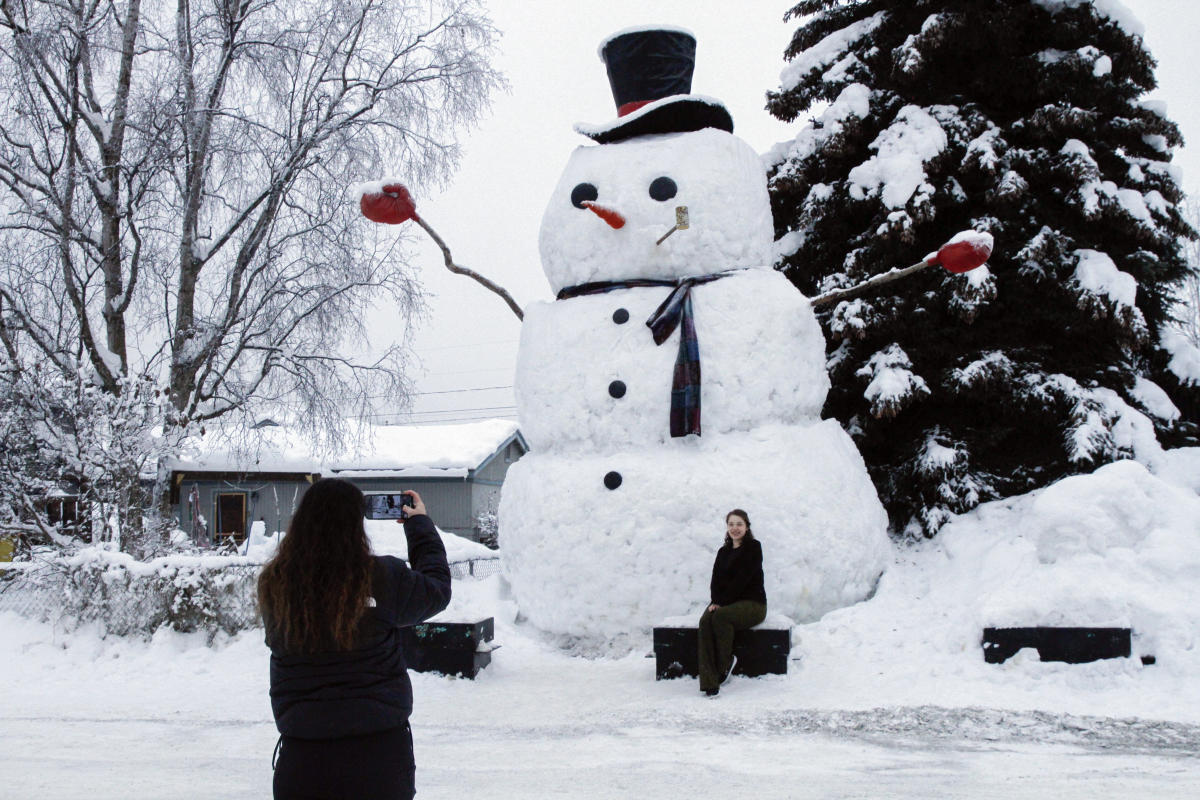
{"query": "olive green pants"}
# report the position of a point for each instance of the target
(716, 638)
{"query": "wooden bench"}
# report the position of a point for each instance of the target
(451, 648)
(1072, 645)
(761, 650)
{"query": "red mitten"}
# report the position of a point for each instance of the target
(393, 205)
(964, 252)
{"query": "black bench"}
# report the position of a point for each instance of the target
(761, 650)
(451, 648)
(1072, 645)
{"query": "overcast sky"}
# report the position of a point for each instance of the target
(490, 213)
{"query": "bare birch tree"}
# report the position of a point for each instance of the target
(1188, 310)
(173, 192)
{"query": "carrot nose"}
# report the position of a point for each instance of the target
(610, 216)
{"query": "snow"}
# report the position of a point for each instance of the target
(1113, 10)
(1152, 397)
(597, 128)
(853, 102)
(892, 381)
(886, 698)
(593, 396)
(601, 567)
(756, 368)
(828, 50)
(639, 29)
(398, 450)
(979, 240)
(1095, 272)
(1185, 357)
(359, 190)
(719, 178)
(897, 170)
(388, 539)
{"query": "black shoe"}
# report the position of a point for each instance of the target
(712, 692)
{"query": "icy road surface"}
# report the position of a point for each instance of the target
(923, 752)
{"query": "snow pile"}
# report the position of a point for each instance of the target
(1118, 547)
(897, 170)
(387, 539)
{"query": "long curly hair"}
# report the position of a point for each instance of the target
(737, 512)
(315, 589)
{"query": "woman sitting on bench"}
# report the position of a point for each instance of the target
(737, 600)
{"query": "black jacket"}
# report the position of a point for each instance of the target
(738, 574)
(364, 690)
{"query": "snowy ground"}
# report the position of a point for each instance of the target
(87, 718)
(889, 698)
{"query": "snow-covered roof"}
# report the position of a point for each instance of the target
(382, 450)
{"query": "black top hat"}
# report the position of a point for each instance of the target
(650, 72)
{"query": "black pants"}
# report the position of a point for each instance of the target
(378, 766)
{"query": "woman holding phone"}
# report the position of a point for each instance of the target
(340, 691)
(737, 600)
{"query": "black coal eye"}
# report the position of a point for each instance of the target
(583, 192)
(663, 188)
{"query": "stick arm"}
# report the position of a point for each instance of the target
(461, 270)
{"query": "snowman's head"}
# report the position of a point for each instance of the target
(637, 184)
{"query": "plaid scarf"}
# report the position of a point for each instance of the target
(674, 312)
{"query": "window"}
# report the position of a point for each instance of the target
(63, 512)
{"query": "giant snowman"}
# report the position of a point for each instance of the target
(640, 448)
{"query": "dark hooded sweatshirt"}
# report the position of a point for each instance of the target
(366, 689)
(738, 574)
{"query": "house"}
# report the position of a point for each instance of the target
(219, 490)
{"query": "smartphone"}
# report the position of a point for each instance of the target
(387, 506)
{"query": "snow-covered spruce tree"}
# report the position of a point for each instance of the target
(1021, 118)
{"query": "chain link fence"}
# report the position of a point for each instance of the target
(127, 598)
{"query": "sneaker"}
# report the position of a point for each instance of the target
(712, 692)
(729, 673)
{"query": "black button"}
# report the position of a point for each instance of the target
(620, 316)
(612, 480)
(617, 389)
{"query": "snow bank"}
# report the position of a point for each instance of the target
(1118, 547)
(387, 539)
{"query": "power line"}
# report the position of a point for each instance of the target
(458, 391)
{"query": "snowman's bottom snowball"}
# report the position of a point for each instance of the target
(599, 564)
